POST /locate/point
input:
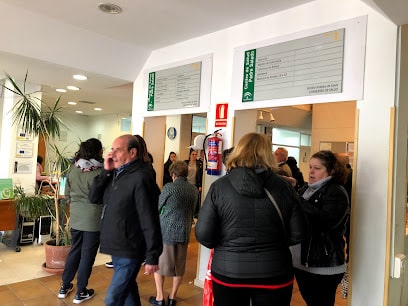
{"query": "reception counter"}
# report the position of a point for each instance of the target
(7, 215)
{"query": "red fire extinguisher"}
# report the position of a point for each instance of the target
(214, 160)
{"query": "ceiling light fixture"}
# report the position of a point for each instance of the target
(271, 117)
(70, 87)
(97, 108)
(72, 103)
(110, 8)
(79, 112)
(61, 90)
(80, 77)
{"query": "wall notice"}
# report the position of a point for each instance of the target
(307, 66)
(174, 88)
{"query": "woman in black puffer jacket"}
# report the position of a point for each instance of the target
(319, 260)
(252, 262)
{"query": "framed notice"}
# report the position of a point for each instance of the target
(24, 149)
(183, 87)
(22, 135)
(324, 64)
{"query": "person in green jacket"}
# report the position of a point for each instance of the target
(85, 220)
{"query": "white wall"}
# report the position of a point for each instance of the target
(106, 128)
(369, 270)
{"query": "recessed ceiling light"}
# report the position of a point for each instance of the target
(79, 112)
(80, 77)
(61, 90)
(70, 87)
(97, 108)
(72, 103)
(110, 8)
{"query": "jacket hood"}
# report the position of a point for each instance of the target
(248, 182)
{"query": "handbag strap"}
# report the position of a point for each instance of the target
(272, 199)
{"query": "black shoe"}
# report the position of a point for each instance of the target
(171, 302)
(154, 302)
(63, 292)
(83, 296)
(109, 264)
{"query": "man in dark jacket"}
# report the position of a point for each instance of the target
(130, 221)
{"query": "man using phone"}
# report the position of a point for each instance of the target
(130, 230)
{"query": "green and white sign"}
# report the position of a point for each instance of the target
(174, 88)
(307, 66)
(6, 189)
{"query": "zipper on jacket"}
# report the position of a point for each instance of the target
(308, 252)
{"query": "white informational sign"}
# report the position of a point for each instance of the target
(317, 65)
(306, 66)
(24, 149)
(177, 88)
(173, 88)
(21, 135)
(23, 166)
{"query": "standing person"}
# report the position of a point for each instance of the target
(319, 260)
(147, 159)
(296, 173)
(85, 220)
(176, 206)
(195, 176)
(166, 174)
(130, 229)
(252, 264)
(281, 155)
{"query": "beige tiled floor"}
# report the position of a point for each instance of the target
(23, 282)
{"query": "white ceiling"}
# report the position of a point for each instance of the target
(55, 39)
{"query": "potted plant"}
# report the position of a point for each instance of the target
(34, 117)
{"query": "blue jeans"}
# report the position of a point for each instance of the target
(81, 258)
(123, 288)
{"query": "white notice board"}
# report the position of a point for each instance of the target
(324, 64)
(178, 88)
(301, 67)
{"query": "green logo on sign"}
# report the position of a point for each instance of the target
(249, 76)
(150, 96)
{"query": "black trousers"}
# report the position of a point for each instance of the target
(81, 258)
(227, 296)
(317, 289)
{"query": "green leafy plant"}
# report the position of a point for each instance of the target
(35, 117)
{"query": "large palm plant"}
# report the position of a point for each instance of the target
(34, 117)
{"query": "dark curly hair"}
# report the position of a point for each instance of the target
(334, 167)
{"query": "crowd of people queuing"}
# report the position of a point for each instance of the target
(266, 225)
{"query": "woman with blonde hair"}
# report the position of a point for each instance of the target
(252, 263)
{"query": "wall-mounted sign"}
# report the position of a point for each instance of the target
(307, 66)
(22, 135)
(221, 115)
(24, 149)
(173, 88)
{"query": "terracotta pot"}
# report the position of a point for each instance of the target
(55, 257)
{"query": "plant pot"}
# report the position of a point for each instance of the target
(55, 257)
